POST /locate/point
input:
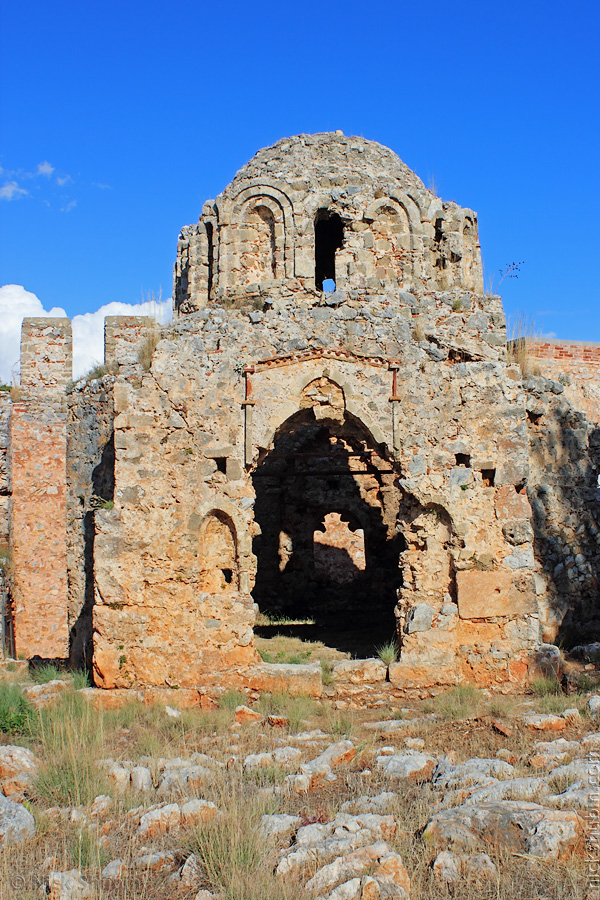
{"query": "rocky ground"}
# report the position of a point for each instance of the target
(465, 795)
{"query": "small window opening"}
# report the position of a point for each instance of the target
(329, 237)
(463, 459)
(534, 418)
(209, 241)
(221, 463)
(227, 575)
(488, 476)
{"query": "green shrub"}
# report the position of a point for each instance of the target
(14, 710)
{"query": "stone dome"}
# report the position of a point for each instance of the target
(316, 211)
(329, 159)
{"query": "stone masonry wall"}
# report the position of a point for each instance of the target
(38, 451)
(5, 407)
(187, 440)
(575, 364)
(565, 497)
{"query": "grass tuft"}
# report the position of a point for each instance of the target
(72, 734)
(231, 699)
(236, 862)
(14, 710)
(546, 686)
(296, 709)
(388, 653)
(460, 702)
(45, 673)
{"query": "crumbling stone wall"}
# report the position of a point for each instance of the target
(271, 409)
(5, 555)
(341, 193)
(5, 407)
(574, 364)
(565, 498)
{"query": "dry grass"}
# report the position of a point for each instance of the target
(72, 737)
(148, 346)
(284, 649)
(522, 329)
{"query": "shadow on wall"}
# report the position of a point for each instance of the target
(103, 488)
(564, 495)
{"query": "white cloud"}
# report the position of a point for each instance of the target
(63, 179)
(45, 168)
(15, 303)
(88, 328)
(69, 206)
(10, 190)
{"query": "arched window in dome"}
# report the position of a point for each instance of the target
(391, 248)
(258, 257)
(329, 237)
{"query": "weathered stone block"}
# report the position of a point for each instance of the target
(483, 595)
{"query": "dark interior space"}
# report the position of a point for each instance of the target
(328, 548)
(329, 237)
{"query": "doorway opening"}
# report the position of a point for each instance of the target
(327, 503)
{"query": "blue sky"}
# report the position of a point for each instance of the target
(120, 120)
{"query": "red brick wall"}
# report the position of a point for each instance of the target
(38, 529)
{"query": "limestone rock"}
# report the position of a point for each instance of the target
(141, 779)
(191, 871)
(115, 869)
(40, 695)
(18, 768)
(16, 823)
(360, 671)
(541, 722)
(525, 827)
(67, 886)
(549, 754)
(279, 828)
(244, 714)
(410, 765)
(451, 867)
(159, 821)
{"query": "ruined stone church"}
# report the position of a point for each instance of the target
(329, 430)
